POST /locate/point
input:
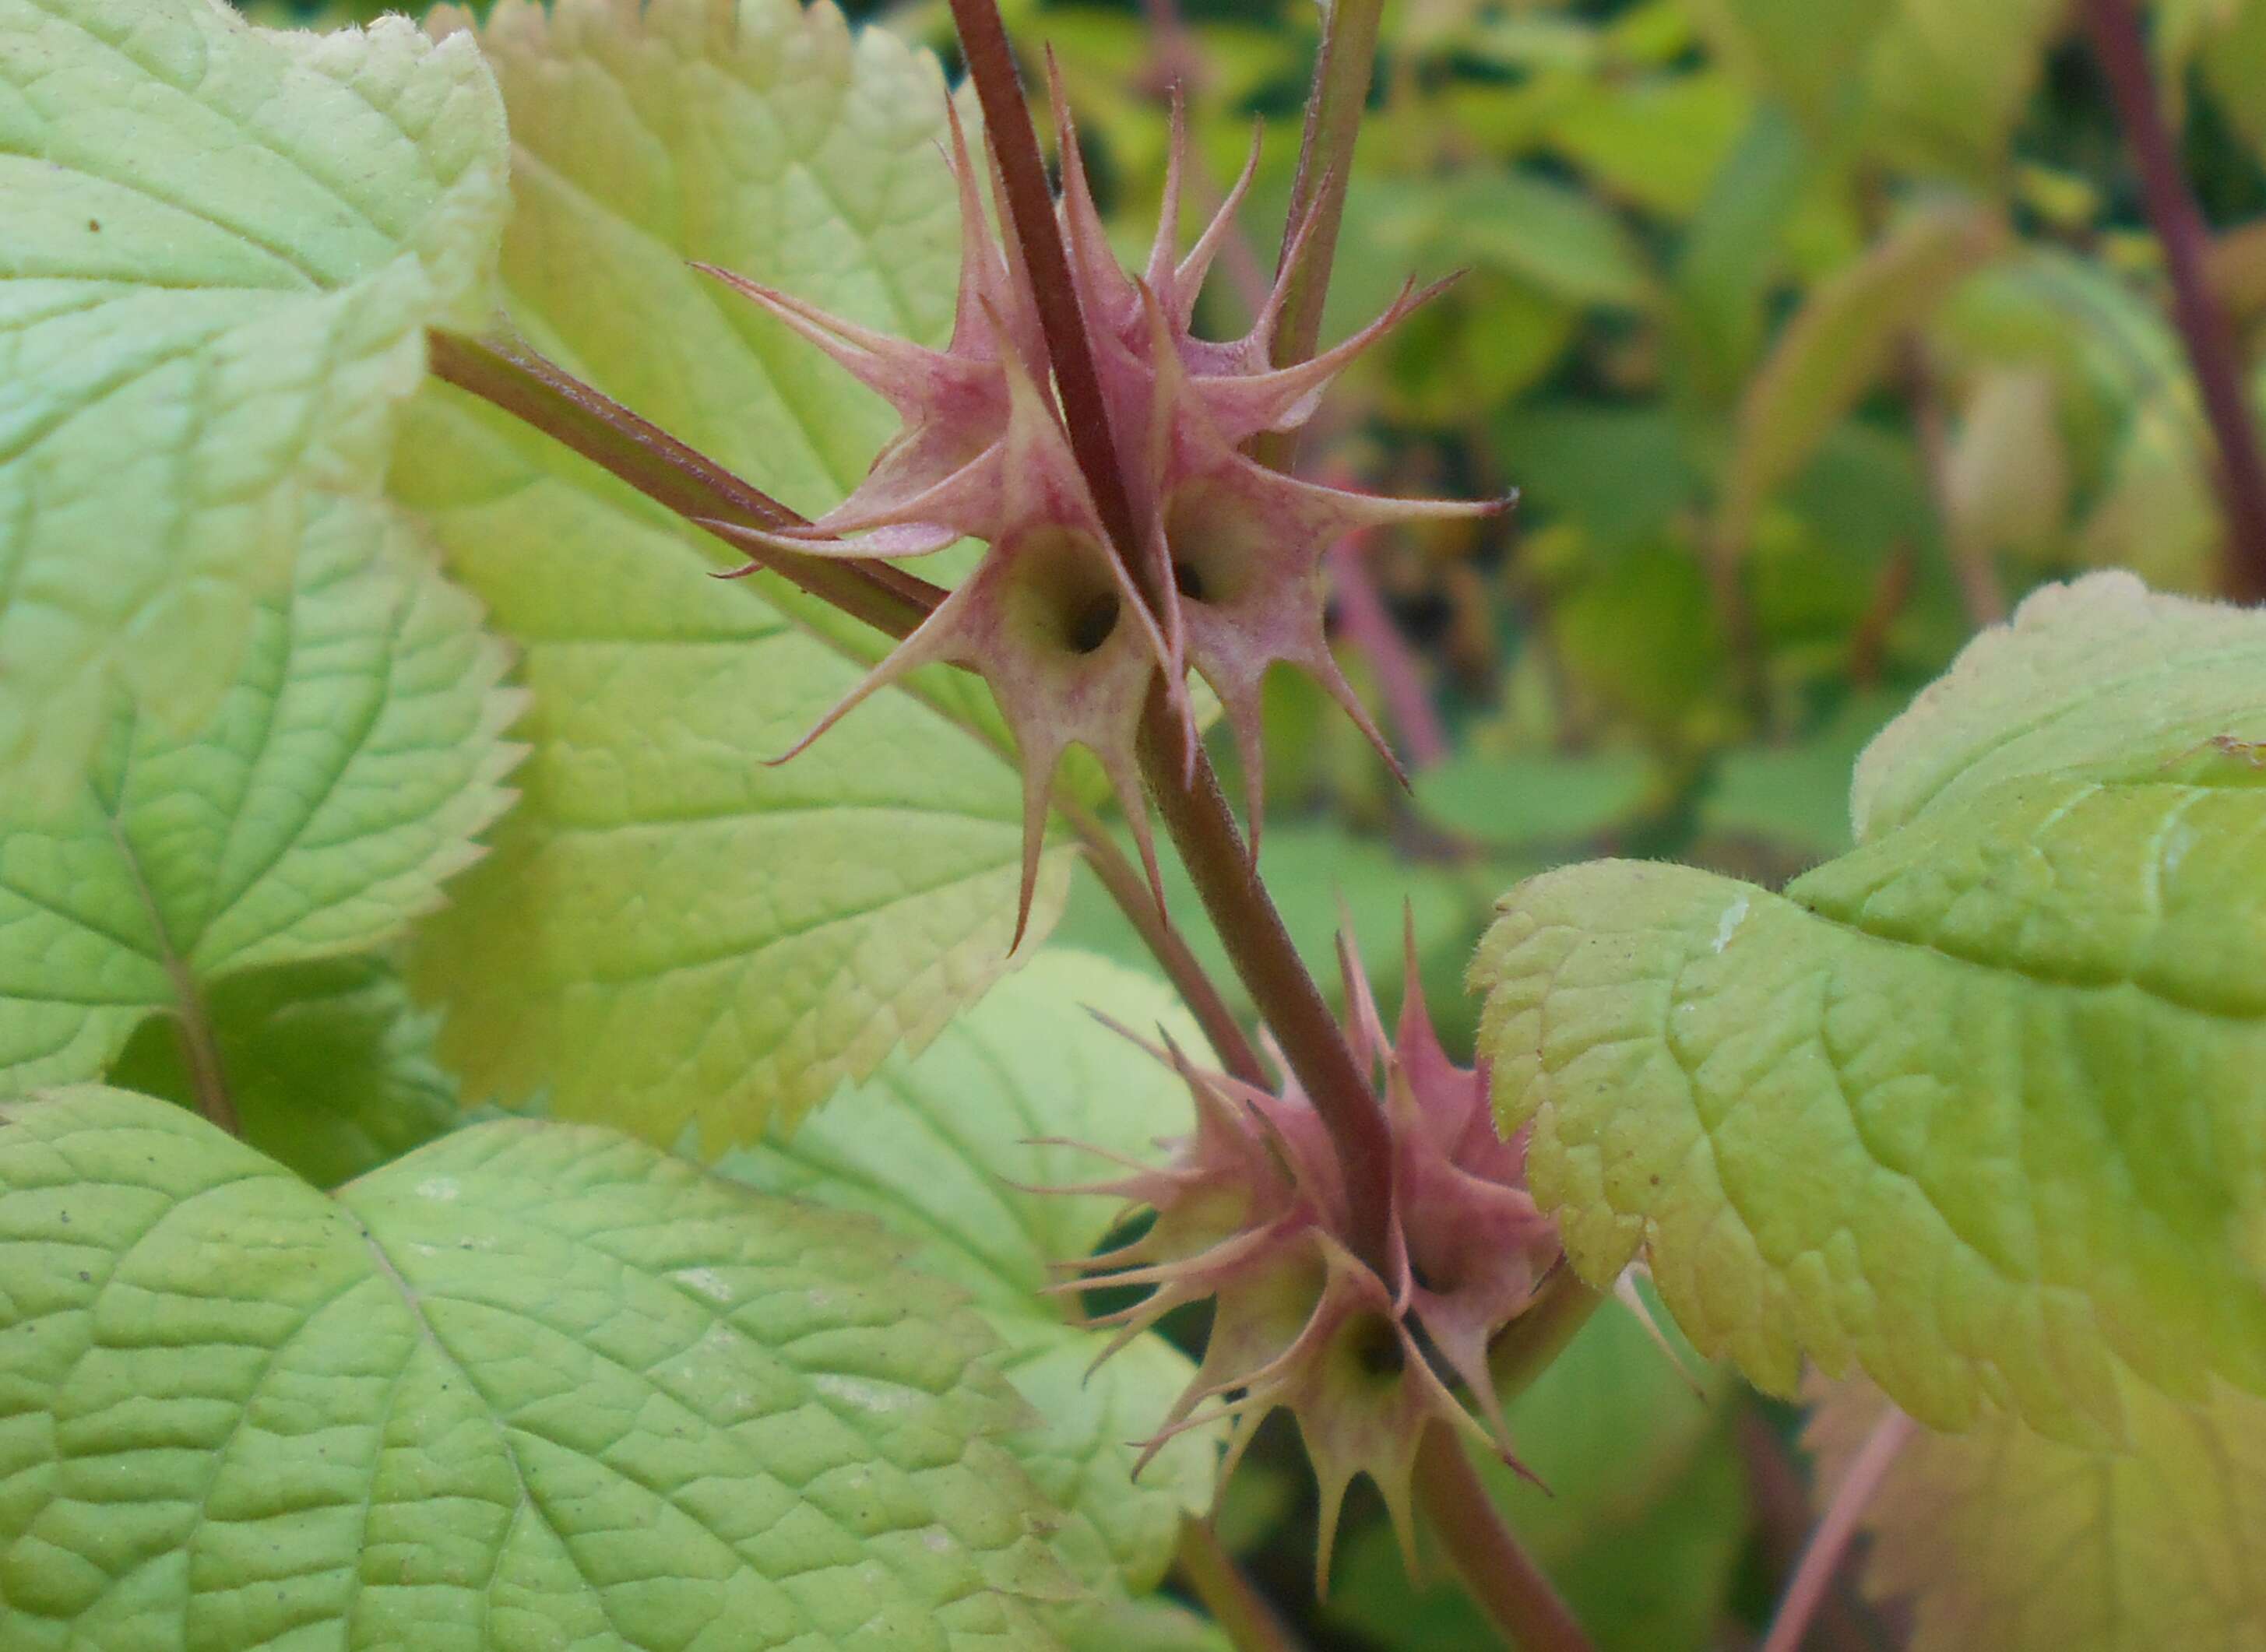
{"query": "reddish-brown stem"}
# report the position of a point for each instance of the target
(1127, 887)
(1188, 797)
(1031, 204)
(687, 481)
(1243, 1614)
(1501, 1577)
(2114, 28)
(671, 473)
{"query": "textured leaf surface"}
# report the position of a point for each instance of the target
(1981, 1106)
(534, 1385)
(223, 246)
(671, 931)
(2003, 1538)
(343, 774)
(943, 1149)
(330, 1065)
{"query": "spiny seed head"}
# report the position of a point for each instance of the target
(1250, 1212)
(1051, 618)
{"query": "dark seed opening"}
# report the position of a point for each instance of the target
(1377, 1347)
(1090, 625)
(1189, 578)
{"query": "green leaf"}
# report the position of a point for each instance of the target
(671, 931)
(1796, 795)
(1522, 800)
(1949, 80)
(1837, 344)
(2003, 1538)
(532, 1386)
(223, 246)
(1659, 142)
(330, 1065)
(1808, 54)
(339, 780)
(945, 1149)
(1641, 1525)
(1980, 1107)
(1553, 237)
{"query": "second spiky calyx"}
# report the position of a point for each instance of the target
(1250, 1212)
(1067, 637)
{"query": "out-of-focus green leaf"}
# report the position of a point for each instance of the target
(1797, 795)
(1639, 642)
(1641, 1524)
(1950, 78)
(1534, 802)
(533, 1385)
(1810, 53)
(1659, 143)
(1729, 255)
(944, 1150)
(1561, 241)
(329, 1063)
(2000, 1537)
(2159, 514)
(1838, 343)
(2233, 58)
(1622, 474)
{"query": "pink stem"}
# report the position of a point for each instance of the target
(1369, 628)
(1831, 1541)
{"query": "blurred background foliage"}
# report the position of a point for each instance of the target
(1811, 334)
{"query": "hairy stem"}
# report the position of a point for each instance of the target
(1123, 880)
(1187, 794)
(1501, 1577)
(1823, 1558)
(2114, 28)
(514, 378)
(1342, 72)
(1243, 1614)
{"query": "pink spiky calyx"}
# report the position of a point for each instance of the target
(1235, 548)
(1251, 1213)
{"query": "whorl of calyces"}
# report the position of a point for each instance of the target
(1067, 640)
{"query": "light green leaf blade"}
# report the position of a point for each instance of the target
(223, 246)
(329, 1063)
(341, 777)
(534, 1385)
(670, 931)
(946, 1149)
(2000, 1537)
(1978, 1107)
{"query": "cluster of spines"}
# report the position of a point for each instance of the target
(1069, 639)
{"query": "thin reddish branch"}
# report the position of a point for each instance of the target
(1369, 628)
(2114, 28)
(1188, 794)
